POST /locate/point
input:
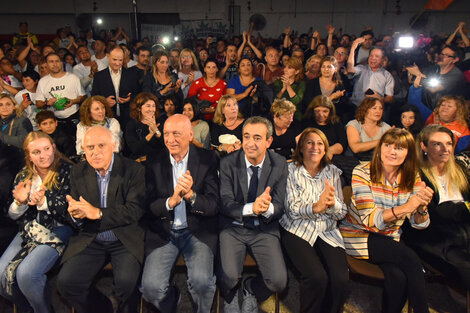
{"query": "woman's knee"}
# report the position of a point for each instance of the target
(315, 279)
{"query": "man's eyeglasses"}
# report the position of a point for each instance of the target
(447, 55)
(341, 53)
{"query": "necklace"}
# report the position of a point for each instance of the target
(225, 123)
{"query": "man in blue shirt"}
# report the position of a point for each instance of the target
(182, 191)
(106, 201)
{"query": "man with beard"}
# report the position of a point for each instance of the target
(61, 92)
(229, 67)
(143, 64)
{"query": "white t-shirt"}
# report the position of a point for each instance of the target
(83, 73)
(102, 63)
(111, 123)
(67, 86)
(31, 110)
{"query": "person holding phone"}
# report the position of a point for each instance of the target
(26, 98)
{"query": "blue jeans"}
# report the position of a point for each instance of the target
(199, 260)
(31, 276)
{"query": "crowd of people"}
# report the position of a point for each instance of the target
(116, 150)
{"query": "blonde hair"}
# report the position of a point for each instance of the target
(281, 107)
(194, 66)
(50, 181)
(18, 110)
(219, 117)
(455, 175)
(462, 110)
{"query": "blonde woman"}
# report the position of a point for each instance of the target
(40, 208)
(447, 238)
(286, 129)
(227, 121)
(188, 70)
(160, 81)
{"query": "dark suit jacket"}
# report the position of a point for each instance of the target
(201, 217)
(103, 85)
(234, 189)
(125, 205)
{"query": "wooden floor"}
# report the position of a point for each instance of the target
(363, 297)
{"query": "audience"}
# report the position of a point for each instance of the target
(319, 80)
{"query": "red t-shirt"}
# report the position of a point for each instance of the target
(456, 127)
(203, 92)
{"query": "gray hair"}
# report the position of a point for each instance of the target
(260, 120)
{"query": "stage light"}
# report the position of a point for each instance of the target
(165, 40)
(405, 42)
(99, 21)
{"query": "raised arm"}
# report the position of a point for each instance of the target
(242, 46)
(352, 54)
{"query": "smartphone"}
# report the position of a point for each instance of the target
(369, 92)
(26, 97)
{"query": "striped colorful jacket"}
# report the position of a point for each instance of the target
(365, 212)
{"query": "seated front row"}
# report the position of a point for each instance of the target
(106, 199)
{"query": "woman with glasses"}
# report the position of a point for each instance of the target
(188, 70)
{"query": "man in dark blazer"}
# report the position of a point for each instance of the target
(117, 84)
(106, 202)
(182, 191)
(252, 193)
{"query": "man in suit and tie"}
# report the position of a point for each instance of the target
(106, 201)
(252, 192)
(182, 191)
(117, 84)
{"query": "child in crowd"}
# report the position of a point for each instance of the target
(47, 123)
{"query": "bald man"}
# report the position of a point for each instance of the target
(106, 201)
(182, 190)
(117, 84)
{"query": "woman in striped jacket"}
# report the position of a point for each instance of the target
(310, 235)
(385, 192)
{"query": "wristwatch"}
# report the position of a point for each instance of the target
(192, 199)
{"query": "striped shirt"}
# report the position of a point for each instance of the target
(302, 192)
(368, 202)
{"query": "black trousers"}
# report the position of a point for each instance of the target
(77, 273)
(323, 273)
(403, 273)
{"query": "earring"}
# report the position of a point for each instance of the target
(425, 153)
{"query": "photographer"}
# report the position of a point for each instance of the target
(448, 80)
